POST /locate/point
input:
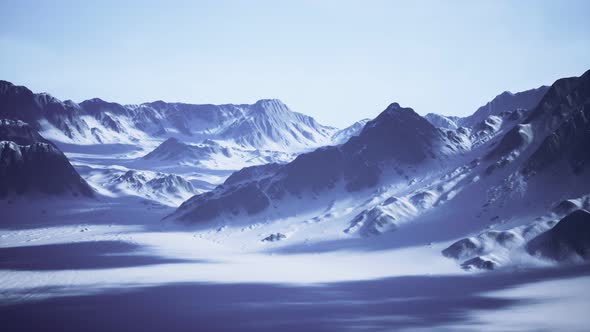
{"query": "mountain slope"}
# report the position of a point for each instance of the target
(31, 164)
(270, 124)
(569, 239)
(343, 135)
(355, 165)
(442, 121)
(506, 101)
(414, 184)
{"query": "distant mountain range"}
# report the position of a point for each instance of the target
(267, 124)
(504, 102)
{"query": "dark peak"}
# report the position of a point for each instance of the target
(397, 111)
(393, 107)
(157, 104)
(565, 92)
(380, 137)
(6, 83)
(396, 116)
(70, 102)
(19, 132)
(171, 141)
(94, 101)
(96, 106)
(97, 102)
(129, 173)
(8, 87)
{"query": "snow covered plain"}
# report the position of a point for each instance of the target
(122, 268)
(111, 262)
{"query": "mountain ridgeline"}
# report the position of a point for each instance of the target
(504, 102)
(397, 137)
(266, 124)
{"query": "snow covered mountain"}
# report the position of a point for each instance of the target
(29, 164)
(506, 101)
(362, 162)
(401, 173)
(167, 189)
(503, 103)
(343, 135)
(267, 124)
(174, 150)
(442, 121)
(201, 143)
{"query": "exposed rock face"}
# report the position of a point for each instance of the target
(557, 128)
(19, 132)
(19, 103)
(568, 240)
(480, 263)
(274, 237)
(248, 198)
(506, 101)
(462, 249)
(570, 142)
(31, 164)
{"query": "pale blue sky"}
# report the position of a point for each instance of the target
(338, 61)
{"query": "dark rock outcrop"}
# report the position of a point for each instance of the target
(31, 164)
(568, 240)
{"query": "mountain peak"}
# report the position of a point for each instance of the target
(270, 101)
(94, 100)
(393, 107)
(269, 105)
(394, 110)
(6, 83)
(170, 141)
